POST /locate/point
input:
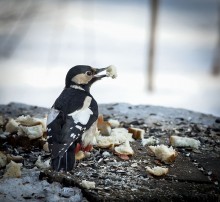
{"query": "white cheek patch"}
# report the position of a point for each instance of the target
(82, 116)
(81, 79)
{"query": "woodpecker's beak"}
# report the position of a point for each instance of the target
(97, 71)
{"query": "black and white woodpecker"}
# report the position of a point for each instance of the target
(73, 117)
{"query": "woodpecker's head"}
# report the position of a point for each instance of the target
(83, 76)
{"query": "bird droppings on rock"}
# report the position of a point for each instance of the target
(117, 179)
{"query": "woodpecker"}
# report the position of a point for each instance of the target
(73, 117)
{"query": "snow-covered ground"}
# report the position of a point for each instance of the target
(60, 34)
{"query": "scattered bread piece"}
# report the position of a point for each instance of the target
(120, 135)
(103, 126)
(104, 141)
(46, 147)
(3, 160)
(13, 170)
(111, 71)
(164, 153)
(1, 120)
(124, 149)
(137, 133)
(80, 155)
(184, 142)
(157, 170)
(31, 121)
(17, 159)
(117, 137)
(11, 126)
(88, 184)
(114, 123)
(42, 164)
(150, 141)
(32, 132)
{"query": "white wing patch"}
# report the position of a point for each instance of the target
(82, 116)
(52, 115)
(73, 135)
(79, 127)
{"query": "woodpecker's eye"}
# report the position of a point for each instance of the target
(89, 73)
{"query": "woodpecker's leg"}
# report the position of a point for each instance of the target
(66, 161)
(56, 163)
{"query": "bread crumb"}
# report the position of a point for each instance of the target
(114, 123)
(137, 133)
(184, 142)
(157, 170)
(111, 71)
(3, 160)
(88, 184)
(103, 126)
(11, 126)
(32, 121)
(150, 141)
(32, 132)
(46, 147)
(124, 148)
(13, 170)
(80, 155)
(164, 153)
(42, 164)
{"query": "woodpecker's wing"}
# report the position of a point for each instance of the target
(74, 112)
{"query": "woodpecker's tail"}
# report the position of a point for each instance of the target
(65, 162)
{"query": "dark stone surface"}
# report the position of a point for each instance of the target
(194, 176)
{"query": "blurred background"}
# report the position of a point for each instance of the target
(166, 52)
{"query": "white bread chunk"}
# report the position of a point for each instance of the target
(42, 164)
(125, 149)
(184, 142)
(11, 157)
(164, 153)
(117, 137)
(114, 123)
(157, 170)
(80, 155)
(3, 159)
(111, 71)
(149, 141)
(137, 133)
(13, 170)
(12, 126)
(32, 132)
(46, 147)
(120, 135)
(31, 121)
(88, 184)
(104, 141)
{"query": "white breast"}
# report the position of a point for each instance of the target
(82, 116)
